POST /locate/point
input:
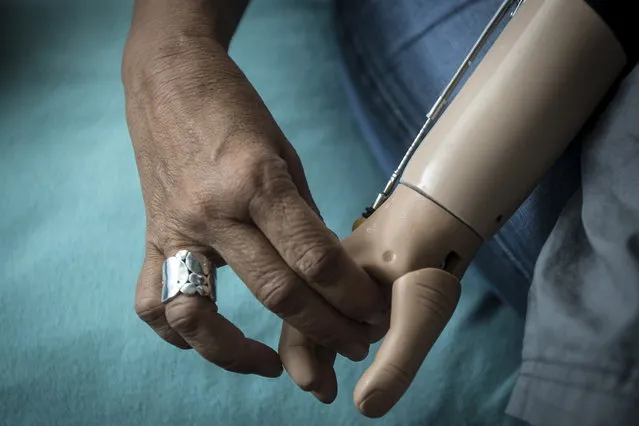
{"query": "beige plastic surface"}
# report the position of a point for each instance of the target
(410, 232)
(423, 303)
(403, 245)
(517, 112)
(523, 105)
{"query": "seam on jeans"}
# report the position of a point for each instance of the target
(511, 256)
(388, 66)
(369, 58)
(382, 105)
(413, 38)
(399, 124)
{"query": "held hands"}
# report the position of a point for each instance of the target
(417, 251)
(219, 178)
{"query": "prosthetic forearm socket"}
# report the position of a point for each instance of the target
(518, 111)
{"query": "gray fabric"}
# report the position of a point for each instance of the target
(581, 345)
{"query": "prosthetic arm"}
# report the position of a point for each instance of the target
(517, 112)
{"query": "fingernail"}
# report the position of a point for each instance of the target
(376, 404)
(377, 319)
(356, 351)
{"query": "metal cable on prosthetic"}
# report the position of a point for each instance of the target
(440, 104)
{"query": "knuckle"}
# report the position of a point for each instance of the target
(197, 212)
(152, 313)
(194, 205)
(271, 181)
(280, 296)
(251, 177)
(273, 175)
(149, 310)
(318, 263)
(182, 318)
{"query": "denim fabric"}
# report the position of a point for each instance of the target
(397, 60)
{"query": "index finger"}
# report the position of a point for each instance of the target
(314, 253)
(282, 292)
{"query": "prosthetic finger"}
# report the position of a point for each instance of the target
(298, 355)
(308, 364)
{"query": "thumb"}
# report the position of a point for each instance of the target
(422, 304)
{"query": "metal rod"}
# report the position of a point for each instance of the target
(442, 100)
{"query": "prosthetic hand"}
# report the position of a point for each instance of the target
(517, 112)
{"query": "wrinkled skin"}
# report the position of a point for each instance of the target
(410, 256)
(422, 304)
(219, 178)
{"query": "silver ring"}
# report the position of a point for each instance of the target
(187, 273)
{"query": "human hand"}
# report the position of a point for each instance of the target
(219, 178)
(417, 251)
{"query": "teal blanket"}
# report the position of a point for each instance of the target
(72, 351)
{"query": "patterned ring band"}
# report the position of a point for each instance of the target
(187, 273)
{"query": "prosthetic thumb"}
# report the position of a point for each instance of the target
(423, 302)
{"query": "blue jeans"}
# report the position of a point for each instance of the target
(397, 57)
